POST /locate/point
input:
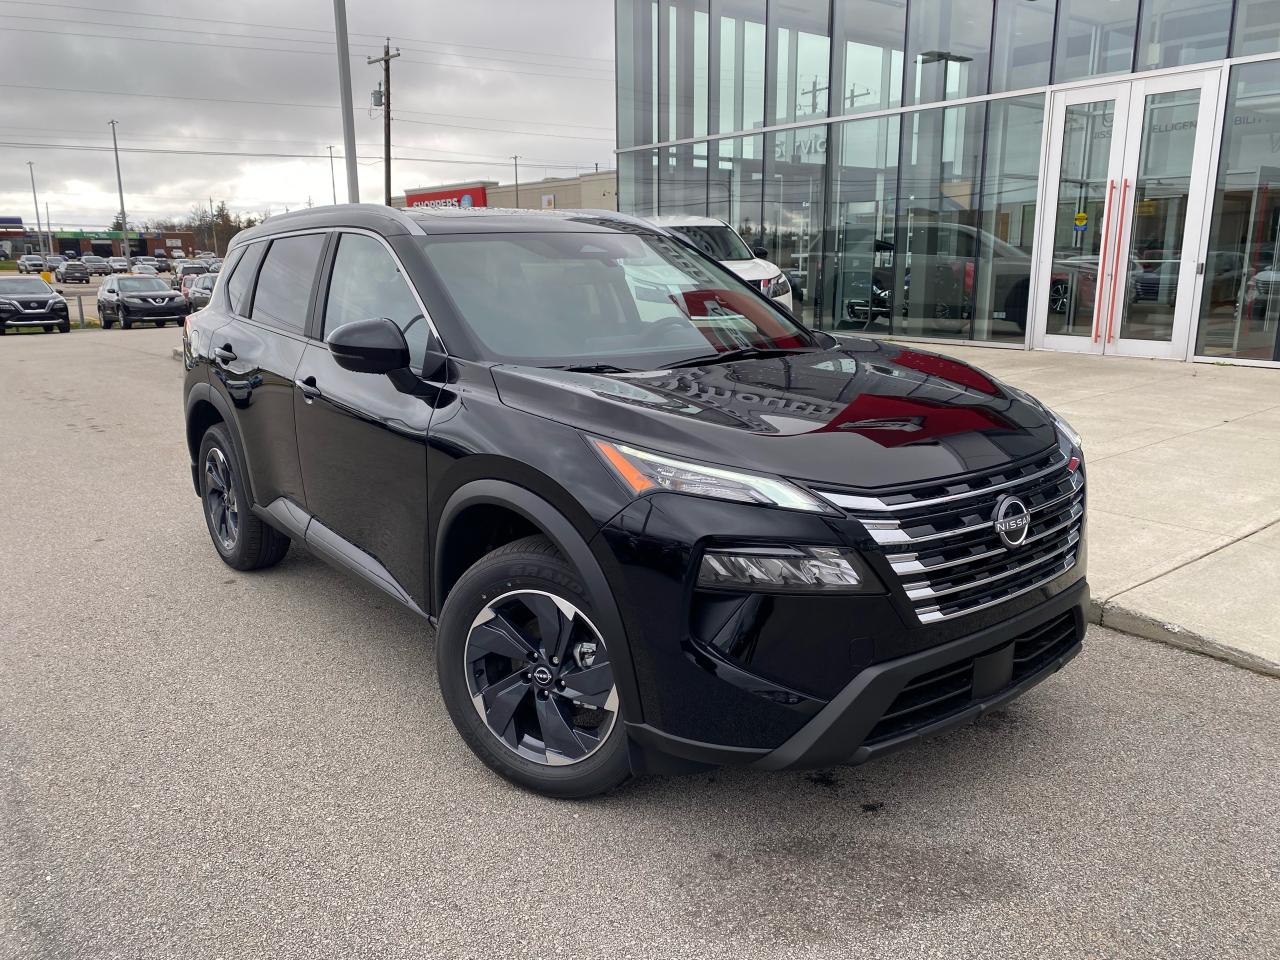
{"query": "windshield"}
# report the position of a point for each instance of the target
(24, 287)
(632, 300)
(92, 259)
(142, 285)
(718, 243)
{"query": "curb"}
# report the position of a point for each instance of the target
(1137, 624)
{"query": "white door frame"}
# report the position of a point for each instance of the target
(1129, 99)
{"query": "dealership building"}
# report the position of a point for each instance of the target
(1099, 176)
(17, 238)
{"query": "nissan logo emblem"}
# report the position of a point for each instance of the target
(542, 675)
(1012, 520)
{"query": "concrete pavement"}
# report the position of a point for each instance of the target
(1184, 493)
(201, 763)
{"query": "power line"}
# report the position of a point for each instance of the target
(327, 33)
(468, 154)
(240, 153)
(279, 103)
(170, 41)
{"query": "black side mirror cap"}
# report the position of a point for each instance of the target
(369, 346)
(760, 253)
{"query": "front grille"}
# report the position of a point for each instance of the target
(942, 543)
(949, 690)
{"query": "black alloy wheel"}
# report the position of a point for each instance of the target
(540, 677)
(220, 501)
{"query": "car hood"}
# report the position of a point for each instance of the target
(864, 414)
(152, 294)
(752, 269)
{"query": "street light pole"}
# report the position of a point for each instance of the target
(31, 166)
(48, 228)
(124, 223)
(344, 91)
(515, 160)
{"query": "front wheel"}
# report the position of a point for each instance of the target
(527, 675)
(241, 539)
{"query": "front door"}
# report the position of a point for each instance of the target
(1118, 245)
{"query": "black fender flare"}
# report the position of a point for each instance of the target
(560, 531)
(204, 392)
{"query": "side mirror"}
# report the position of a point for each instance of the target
(760, 253)
(369, 346)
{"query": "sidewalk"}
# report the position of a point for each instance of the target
(1184, 493)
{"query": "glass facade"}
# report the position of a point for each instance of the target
(889, 156)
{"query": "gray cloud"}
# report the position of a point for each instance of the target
(475, 83)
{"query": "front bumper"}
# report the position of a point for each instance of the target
(892, 704)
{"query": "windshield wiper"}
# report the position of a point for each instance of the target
(596, 368)
(741, 353)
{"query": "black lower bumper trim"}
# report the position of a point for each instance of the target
(838, 734)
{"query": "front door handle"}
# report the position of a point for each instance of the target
(309, 389)
(224, 353)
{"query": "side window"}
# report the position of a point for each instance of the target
(366, 283)
(284, 282)
(241, 276)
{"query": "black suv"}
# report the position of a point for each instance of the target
(660, 526)
(30, 302)
(130, 299)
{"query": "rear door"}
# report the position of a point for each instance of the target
(256, 354)
(361, 442)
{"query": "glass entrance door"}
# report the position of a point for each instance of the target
(1120, 220)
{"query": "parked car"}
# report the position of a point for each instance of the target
(130, 299)
(201, 290)
(31, 263)
(98, 266)
(149, 261)
(145, 270)
(72, 271)
(118, 264)
(659, 525)
(30, 302)
(188, 281)
(52, 263)
(721, 242)
(187, 268)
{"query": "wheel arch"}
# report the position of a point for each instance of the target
(530, 513)
(206, 407)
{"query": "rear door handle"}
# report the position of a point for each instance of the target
(224, 353)
(308, 387)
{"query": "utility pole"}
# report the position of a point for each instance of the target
(124, 223)
(385, 60)
(31, 166)
(48, 228)
(516, 161)
(332, 181)
(213, 227)
(344, 91)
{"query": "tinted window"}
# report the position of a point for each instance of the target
(241, 278)
(367, 283)
(142, 285)
(718, 243)
(284, 283)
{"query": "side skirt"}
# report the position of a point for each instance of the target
(289, 518)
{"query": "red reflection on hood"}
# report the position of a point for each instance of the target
(946, 369)
(898, 421)
(731, 303)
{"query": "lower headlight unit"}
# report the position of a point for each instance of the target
(787, 570)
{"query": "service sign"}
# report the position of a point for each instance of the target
(466, 197)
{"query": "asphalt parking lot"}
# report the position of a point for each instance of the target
(203, 763)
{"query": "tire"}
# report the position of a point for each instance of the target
(241, 539)
(64, 327)
(529, 583)
(106, 324)
(160, 323)
(126, 323)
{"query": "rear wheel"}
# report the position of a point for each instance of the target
(527, 675)
(241, 539)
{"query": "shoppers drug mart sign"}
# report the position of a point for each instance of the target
(466, 197)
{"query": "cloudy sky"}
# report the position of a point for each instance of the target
(196, 86)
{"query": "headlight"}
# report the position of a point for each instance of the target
(9, 304)
(775, 286)
(1068, 431)
(642, 471)
(787, 570)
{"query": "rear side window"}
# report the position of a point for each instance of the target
(285, 280)
(241, 279)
